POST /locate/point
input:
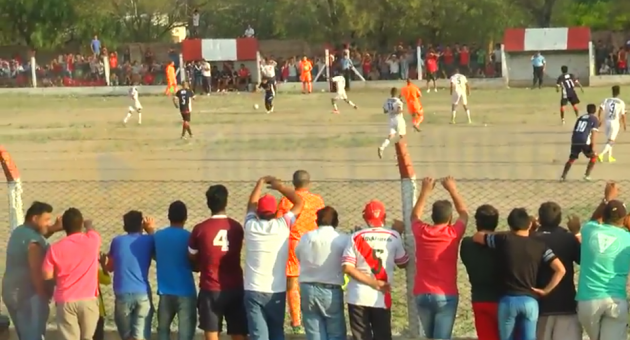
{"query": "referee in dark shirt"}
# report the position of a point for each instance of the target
(519, 260)
(557, 318)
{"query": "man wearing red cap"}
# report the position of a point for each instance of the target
(266, 254)
(369, 260)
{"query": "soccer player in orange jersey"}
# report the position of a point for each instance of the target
(411, 93)
(305, 222)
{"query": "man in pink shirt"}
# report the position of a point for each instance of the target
(437, 247)
(73, 263)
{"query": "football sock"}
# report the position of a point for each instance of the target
(385, 144)
(127, 117)
(468, 114)
(607, 149)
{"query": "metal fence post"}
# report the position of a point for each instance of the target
(409, 192)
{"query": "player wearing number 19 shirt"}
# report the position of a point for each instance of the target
(566, 85)
(614, 110)
(369, 261)
(215, 248)
(183, 101)
(583, 141)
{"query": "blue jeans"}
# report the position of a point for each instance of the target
(185, 307)
(437, 314)
(29, 315)
(518, 308)
(265, 315)
(133, 313)
(322, 311)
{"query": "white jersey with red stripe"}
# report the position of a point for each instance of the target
(375, 252)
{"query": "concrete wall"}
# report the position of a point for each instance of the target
(520, 70)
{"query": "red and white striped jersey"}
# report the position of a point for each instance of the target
(375, 252)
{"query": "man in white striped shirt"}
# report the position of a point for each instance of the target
(321, 278)
(369, 260)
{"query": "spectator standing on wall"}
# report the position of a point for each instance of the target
(346, 68)
(604, 269)
(195, 23)
(267, 239)
(437, 246)
(25, 292)
(176, 284)
(73, 262)
(95, 46)
(215, 247)
(249, 32)
(369, 260)
(557, 318)
(305, 222)
(129, 259)
(520, 258)
(497, 61)
(538, 67)
(483, 275)
(321, 278)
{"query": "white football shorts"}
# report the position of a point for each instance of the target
(135, 107)
(397, 126)
(459, 98)
(341, 95)
(612, 130)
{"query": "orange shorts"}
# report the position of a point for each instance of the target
(415, 109)
(293, 265)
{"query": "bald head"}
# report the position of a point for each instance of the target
(301, 179)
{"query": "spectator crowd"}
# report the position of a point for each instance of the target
(522, 280)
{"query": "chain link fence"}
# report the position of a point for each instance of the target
(106, 201)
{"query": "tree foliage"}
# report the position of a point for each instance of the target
(45, 24)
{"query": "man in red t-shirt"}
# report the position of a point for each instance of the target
(432, 69)
(464, 60)
(215, 247)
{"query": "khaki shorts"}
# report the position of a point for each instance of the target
(559, 327)
(604, 319)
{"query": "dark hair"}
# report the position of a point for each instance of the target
(550, 214)
(327, 216)
(38, 208)
(518, 219)
(216, 198)
(487, 217)
(177, 212)
(301, 179)
(442, 212)
(393, 92)
(564, 69)
(616, 90)
(591, 108)
(132, 222)
(72, 221)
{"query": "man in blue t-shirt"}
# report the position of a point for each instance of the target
(129, 259)
(604, 269)
(176, 285)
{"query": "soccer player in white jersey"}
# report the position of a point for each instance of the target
(614, 110)
(340, 94)
(460, 90)
(135, 106)
(393, 107)
(369, 260)
(268, 71)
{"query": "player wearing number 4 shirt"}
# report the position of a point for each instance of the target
(215, 247)
(566, 84)
(583, 141)
(369, 260)
(183, 101)
(614, 110)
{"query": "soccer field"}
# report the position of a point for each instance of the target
(76, 152)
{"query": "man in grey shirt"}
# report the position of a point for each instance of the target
(24, 291)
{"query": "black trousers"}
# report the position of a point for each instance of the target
(347, 75)
(205, 82)
(538, 76)
(370, 323)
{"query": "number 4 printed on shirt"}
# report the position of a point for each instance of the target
(221, 240)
